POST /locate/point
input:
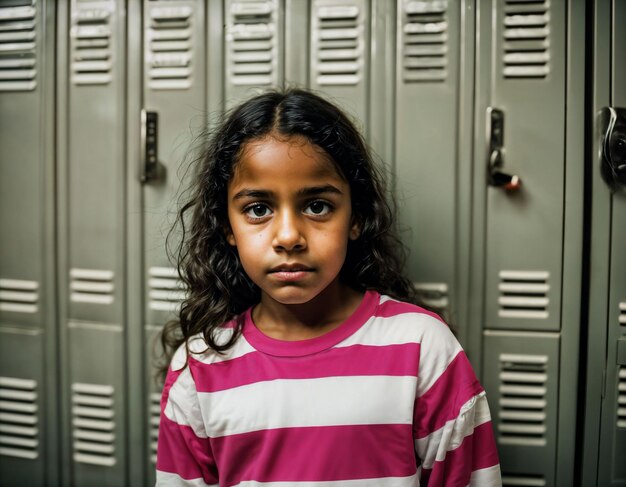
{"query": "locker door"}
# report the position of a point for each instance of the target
(525, 225)
(611, 466)
(28, 413)
(92, 184)
(524, 368)
(426, 143)
(529, 128)
(254, 47)
(174, 93)
(339, 54)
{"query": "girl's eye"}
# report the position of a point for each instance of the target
(318, 208)
(257, 211)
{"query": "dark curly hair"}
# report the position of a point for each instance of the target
(217, 287)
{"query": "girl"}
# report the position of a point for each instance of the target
(300, 360)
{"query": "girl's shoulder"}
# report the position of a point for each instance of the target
(438, 347)
(196, 349)
(390, 307)
(411, 320)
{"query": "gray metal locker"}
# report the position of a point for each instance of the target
(92, 212)
(528, 61)
(527, 257)
(174, 96)
(174, 93)
(28, 356)
(605, 407)
(432, 155)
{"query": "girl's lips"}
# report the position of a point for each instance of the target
(290, 276)
(293, 267)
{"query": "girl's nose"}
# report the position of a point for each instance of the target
(288, 235)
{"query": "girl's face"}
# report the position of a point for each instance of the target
(290, 218)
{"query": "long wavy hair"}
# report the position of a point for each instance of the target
(218, 289)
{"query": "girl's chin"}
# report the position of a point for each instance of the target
(305, 292)
(292, 295)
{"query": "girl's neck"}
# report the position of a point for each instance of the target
(314, 318)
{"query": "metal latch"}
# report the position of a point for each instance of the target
(495, 163)
(149, 146)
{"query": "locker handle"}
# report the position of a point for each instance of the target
(613, 127)
(149, 146)
(495, 134)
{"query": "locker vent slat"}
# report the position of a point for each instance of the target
(338, 32)
(526, 33)
(19, 296)
(622, 314)
(91, 286)
(621, 398)
(434, 295)
(425, 41)
(251, 35)
(168, 48)
(93, 424)
(18, 54)
(19, 431)
(90, 44)
(524, 294)
(522, 402)
(154, 415)
(166, 291)
(523, 480)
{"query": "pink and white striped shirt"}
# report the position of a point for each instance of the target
(386, 399)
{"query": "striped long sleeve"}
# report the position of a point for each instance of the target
(452, 425)
(184, 456)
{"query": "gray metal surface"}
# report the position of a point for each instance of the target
(23, 426)
(253, 48)
(22, 129)
(98, 410)
(525, 227)
(138, 469)
(612, 441)
(95, 204)
(92, 209)
(573, 253)
(180, 105)
(504, 267)
(339, 55)
(427, 164)
(28, 355)
(528, 239)
(521, 375)
(174, 87)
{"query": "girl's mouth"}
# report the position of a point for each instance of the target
(290, 276)
(290, 272)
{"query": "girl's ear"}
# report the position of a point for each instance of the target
(230, 238)
(355, 230)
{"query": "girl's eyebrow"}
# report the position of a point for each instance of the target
(252, 193)
(317, 190)
(310, 191)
